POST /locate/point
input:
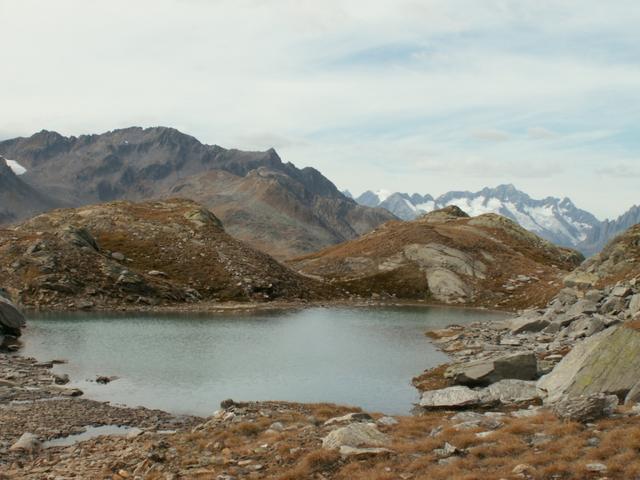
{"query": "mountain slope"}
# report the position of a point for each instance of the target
(446, 256)
(598, 237)
(618, 261)
(302, 209)
(17, 198)
(557, 220)
(119, 253)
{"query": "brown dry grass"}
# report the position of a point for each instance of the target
(550, 448)
(432, 379)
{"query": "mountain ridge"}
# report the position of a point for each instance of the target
(558, 220)
(303, 209)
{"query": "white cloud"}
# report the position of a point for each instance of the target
(621, 170)
(490, 134)
(541, 133)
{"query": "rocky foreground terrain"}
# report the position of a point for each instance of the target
(272, 205)
(126, 255)
(448, 257)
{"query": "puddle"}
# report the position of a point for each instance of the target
(90, 432)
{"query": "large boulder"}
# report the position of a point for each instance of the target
(11, 319)
(355, 435)
(607, 362)
(585, 408)
(521, 366)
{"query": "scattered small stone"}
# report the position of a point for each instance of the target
(596, 467)
(387, 421)
(61, 379)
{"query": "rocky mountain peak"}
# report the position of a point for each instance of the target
(271, 204)
(452, 212)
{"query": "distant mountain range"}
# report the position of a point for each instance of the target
(557, 220)
(272, 205)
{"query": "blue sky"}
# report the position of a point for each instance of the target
(407, 95)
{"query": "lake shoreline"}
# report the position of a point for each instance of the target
(276, 305)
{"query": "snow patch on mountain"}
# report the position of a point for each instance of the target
(16, 167)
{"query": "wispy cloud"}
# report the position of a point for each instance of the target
(490, 134)
(621, 170)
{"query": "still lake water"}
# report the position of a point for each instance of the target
(186, 363)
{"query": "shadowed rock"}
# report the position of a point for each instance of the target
(11, 319)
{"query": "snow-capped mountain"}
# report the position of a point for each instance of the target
(555, 219)
(373, 199)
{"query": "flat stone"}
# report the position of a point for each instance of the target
(349, 418)
(387, 421)
(621, 291)
(118, 256)
(530, 322)
(596, 467)
(451, 397)
(509, 392)
(582, 307)
(347, 451)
